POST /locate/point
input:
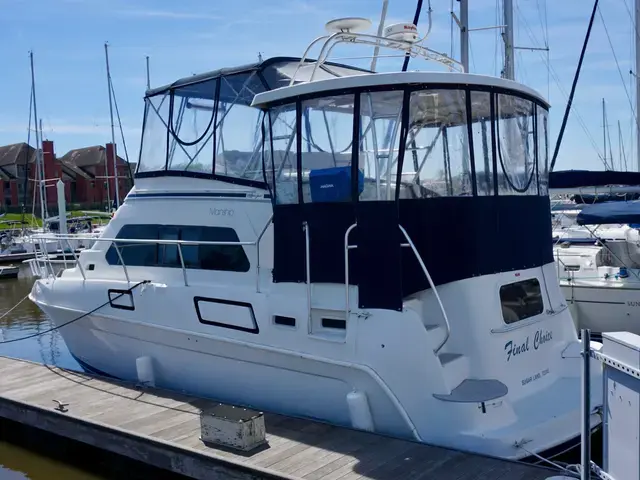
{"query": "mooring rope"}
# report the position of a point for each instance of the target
(14, 307)
(58, 327)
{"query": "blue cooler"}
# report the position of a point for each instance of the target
(333, 184)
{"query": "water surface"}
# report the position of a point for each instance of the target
(27, 320)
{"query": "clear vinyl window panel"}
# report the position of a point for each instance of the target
(205, 127)
(437, 160)
(281, 153)
(515, 137)
(191, 128)
(327, 144)
(238, 129)
(521, 300)
(380, 120)
(153, 152)
(229, 258)
(482, 147)
(542, 125)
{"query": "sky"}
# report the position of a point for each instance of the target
(187, 37)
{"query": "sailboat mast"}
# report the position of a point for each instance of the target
(637, 44)
(44, 177)
(39, 163)
(113, 134)
(507, 33)
(464, 34)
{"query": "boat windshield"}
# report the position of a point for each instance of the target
(412, 142)
(206, 126)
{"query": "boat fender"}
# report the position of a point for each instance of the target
(359, 411)
(144, 368)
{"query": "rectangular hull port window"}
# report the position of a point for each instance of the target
(284, 321)
(334, 323)
(223, 313)
(121, 299)
(521, 300)
(328, 325)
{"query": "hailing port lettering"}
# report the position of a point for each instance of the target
(514, 349)
(222, 212)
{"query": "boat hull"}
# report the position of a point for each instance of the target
(295, 384)
(601, 308)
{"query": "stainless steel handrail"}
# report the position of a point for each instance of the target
(307, 249)
(411, 245)
(48, 262)
(447, 332)
(347, 247)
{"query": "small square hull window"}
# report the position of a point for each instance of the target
(521, 300)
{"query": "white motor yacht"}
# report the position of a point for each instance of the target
(282, 249)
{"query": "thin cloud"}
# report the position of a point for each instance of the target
(170, 14)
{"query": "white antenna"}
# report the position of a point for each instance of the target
(348, 25)
(113, 135)
(148, 75)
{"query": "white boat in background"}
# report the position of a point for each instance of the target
(598, 265)
(299, 267)
(9, 271)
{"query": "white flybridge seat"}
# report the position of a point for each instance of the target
(297, 241)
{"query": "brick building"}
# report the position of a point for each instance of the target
(83, 172)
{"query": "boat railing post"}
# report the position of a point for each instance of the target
(124, 267)
(258, 240)
(305, 227)
(64, 256)
(75, 257)
(184, 270)
(585, 433)
(49, 262)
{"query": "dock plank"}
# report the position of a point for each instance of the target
(163, 428)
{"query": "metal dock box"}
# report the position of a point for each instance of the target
(234, 427)
(622, 405)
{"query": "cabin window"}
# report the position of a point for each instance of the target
(238, 133)
(482, 147)
(153, 154)
(191, 128)
(281, 154)
(229, 258)
(521, 300)
(327, 132)
(515, 137)
(380, 120)
(437, 160)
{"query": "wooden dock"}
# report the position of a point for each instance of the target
(163, 428)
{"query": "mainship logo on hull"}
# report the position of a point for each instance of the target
(514, 349)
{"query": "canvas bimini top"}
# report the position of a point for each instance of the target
(273, 72)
